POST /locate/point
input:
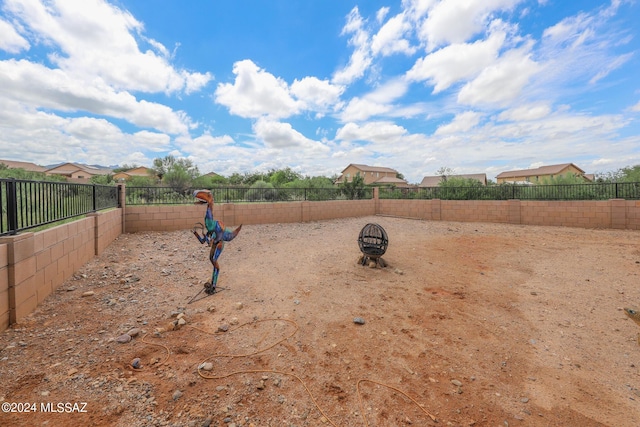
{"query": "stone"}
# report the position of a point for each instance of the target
(123, 339)
(176, 395)
(134, 332)
(136, 363)
(456, 383)
(206, 366)
(223, 328)
(358, 321)
(88, 294)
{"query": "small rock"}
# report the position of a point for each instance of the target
(206, 366)
(136, 363)
(358, 320)
(134, 332)
(88, 293)
(223, 328)
(524, 400)
(124, 338)
(176, 395)
(398, 271)
(45, 393)
(457, 383)
(182, 321)
(207, 421)
(239, 306)
(211, 309)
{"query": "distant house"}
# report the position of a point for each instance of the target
(77, 172)
(373, 175)
(31, 167)
(434, 181)
(139, 171)
(532, 175)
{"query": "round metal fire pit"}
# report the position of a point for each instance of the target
(373, 240)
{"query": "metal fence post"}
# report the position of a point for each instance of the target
(12, 206)
(93, 198)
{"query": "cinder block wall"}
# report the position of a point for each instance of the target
(181, 217)
(614, 213)
(35, 264)
(4, 286)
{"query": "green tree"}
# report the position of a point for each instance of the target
(176, 173)
(283, 176)
(354, 189)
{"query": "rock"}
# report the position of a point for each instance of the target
(182, 321)
(176, 395)
(206, 366)
(136, 363)
(88, 294)
(239, 306)
(207, 421)
(223, 328)
(134, 332)
(124, 338)
(358, 320)
(524, 400)
(456, 383)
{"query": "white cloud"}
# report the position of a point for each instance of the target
(636, 108)
(462, 122)
(377, 102)
(38, 86)
(361, 57)
(525, 113)
(502, 82)
(456, 62)
(256, 93)
(10, 40)
(282, 136)
(453, 21)
(315, 94)
(379, 132)
(97, 39)
(391, 39)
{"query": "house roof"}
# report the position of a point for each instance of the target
(69, 168)
(390, 180)
(543, 170)
(433, 181)
(367, 168)
(28, 166)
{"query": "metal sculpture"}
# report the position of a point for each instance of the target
(215, 236)
(373, 242)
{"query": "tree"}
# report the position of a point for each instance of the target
(354, 189)
(283, 176)
(176, 173)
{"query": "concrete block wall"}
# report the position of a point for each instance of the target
(181, 217)
(614, 213)
(4, 287)
(34, 264)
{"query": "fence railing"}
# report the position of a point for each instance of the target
(29, 204)
(593, 191)
(168, 195)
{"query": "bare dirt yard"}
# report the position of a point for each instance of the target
(470, 324)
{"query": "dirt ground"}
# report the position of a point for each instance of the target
(470, 324)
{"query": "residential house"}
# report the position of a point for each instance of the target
(372, 175)
(77, 172)
(538, 174)
(434, 181)
(28, 166)
(139, 171)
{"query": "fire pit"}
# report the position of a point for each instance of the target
(373, 242)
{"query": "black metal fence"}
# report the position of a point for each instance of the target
(29, 204)
(592, 191)
(168, 195)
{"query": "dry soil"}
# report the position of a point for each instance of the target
(470, 324)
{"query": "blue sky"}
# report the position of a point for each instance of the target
(480, 86)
